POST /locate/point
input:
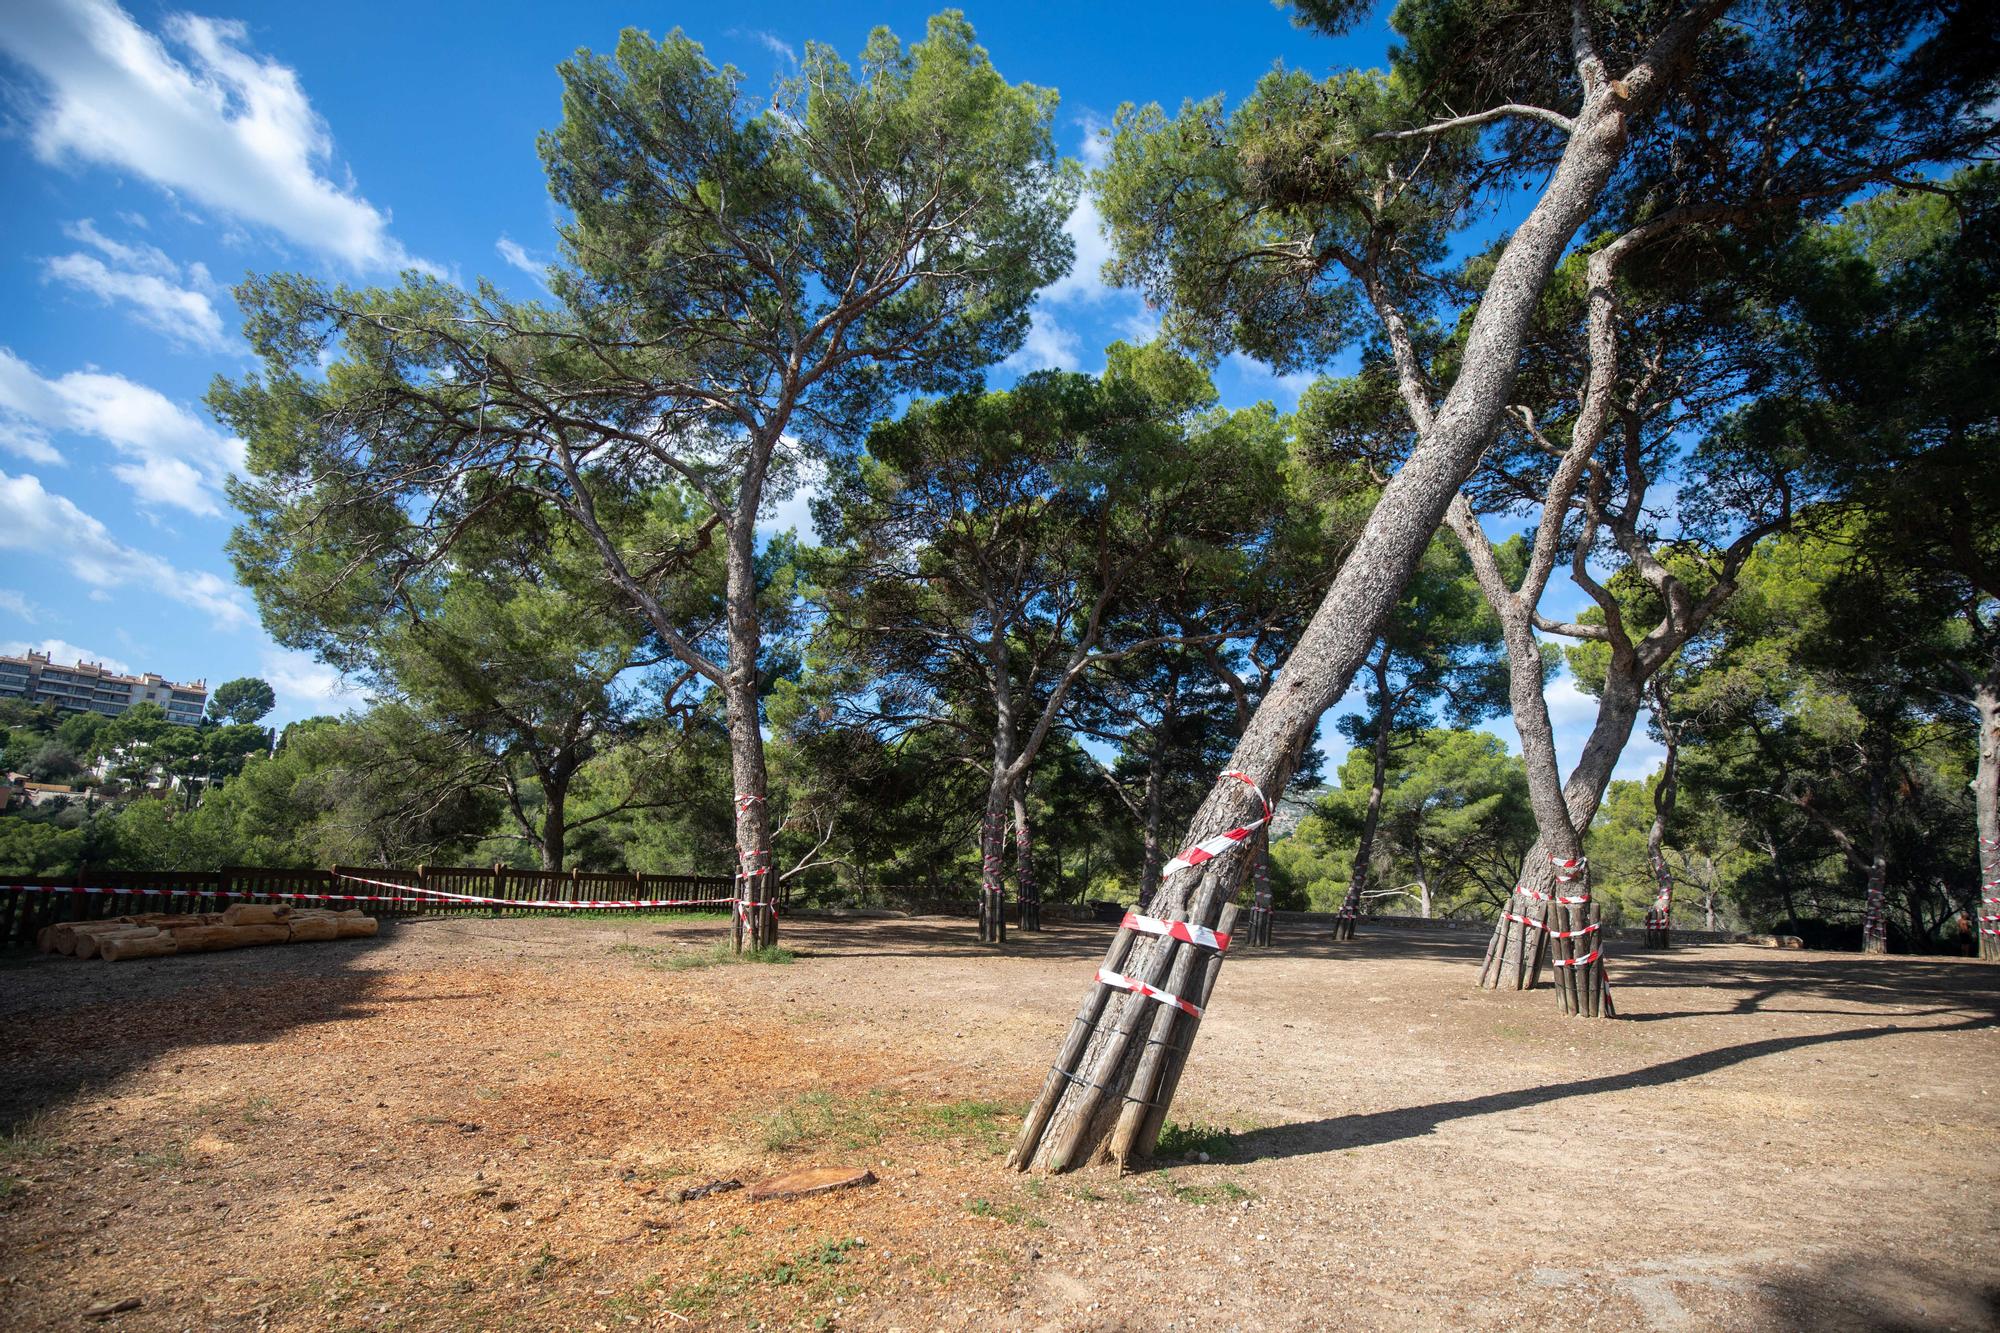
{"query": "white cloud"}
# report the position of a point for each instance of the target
(1048, 346)
(209, 119)
(512, 251)
(163, 297)
(771, 42)
(1082, 292)
(170, 455)
(1085, 280)
(28, 441)
(305, 685)
(17, 604)
(35, 520)
(68, 654)
(1255, 371)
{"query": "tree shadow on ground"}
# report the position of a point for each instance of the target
(1336, 1133)
(69, 1026)
(1875, 1292)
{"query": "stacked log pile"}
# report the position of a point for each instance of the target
(161, 934)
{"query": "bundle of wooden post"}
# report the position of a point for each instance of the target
(1563, 928)
(1578, 962)
(162, 934)
(992, 888)
(1350, 908)
(1988, 917)
(1659, 933)
(1132, 1036)
(1174, 1019)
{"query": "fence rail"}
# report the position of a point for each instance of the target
(28, 904)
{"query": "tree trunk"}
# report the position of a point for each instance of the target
(1516, 952)
(993, 859)
(1515, 955)
(1025, 887)
(1875, 911)
(555, 827)
(1660, 921)
(1260, 892)
(1350, 907)
(1107, 1094)
(756, 920)
(1986, 805)
(1151, 858)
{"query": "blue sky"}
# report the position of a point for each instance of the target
(153, 155)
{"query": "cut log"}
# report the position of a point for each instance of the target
(42, 939)
(154, 944)
(255, 914)
(90, 943)
(64, 936)
(357, 926)
(816, 1180)
(308, 928)
(208, 939)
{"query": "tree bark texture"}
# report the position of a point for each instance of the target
(756, 920)
(1152, 853)
(555, 799)
(1660, 920)
(1364, 847)
(1516, 953)
(1986, 805)
(1026, 889)
(993, 862)
(1875, 908)
(1108, 1091)
(1260, 889)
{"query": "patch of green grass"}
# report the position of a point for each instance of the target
(821, 1117)
(815, 1269)
(1222, 1191)
(545, 1263)
(1012, 1213)
(980, 1121)
(1190, 1141)
(28, 1139)
(720, 954)
(255, 1108)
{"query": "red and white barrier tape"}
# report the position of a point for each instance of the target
(1138, 987)
(407, 894)
(1590, 929)
(1222, 843)
(1179, 930)
(1536, 895)
(1584, 961)
(198, 893)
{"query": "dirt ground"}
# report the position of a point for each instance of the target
(486, 1124)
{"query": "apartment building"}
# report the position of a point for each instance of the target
(88, 687)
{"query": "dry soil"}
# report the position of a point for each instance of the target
(486, 1124)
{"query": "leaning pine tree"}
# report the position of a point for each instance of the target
(1267, 230)
(745, 287)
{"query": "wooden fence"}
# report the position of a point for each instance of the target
(26, 905)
